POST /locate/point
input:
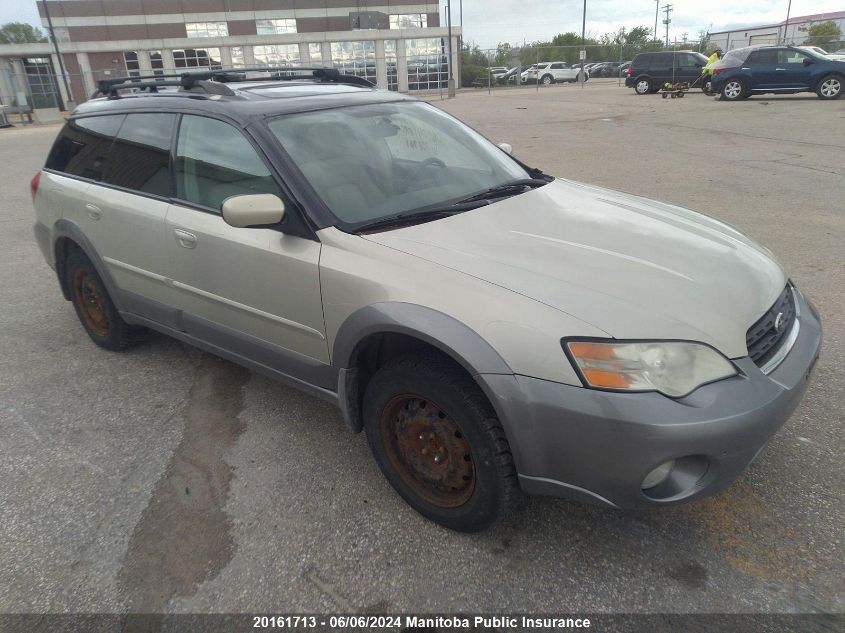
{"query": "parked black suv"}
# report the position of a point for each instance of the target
(650, 71)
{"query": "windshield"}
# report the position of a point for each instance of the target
(374, 161)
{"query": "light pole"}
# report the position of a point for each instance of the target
(58, 55)
(583, 55)
(451, 73)
(786, 25)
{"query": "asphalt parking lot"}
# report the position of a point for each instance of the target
(164, 479)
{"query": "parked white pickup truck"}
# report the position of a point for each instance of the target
(551, 72)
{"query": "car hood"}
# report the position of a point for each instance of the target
(632, 267)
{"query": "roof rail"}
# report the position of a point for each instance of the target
(209, 81)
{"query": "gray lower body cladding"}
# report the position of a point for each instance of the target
(598, 446)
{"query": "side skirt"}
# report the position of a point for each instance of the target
(291, 381)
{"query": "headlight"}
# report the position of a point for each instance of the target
(673, 368)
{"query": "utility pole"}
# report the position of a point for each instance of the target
(656, 12)
(667, 9)
(58, 55)
(451, 70)
(786, 25)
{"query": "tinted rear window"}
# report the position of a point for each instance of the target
(140, 156)
(83, 146)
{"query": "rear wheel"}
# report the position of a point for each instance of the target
(94, 306)
(438, 442)
(830, 87)
(733, 90)
(642, 86)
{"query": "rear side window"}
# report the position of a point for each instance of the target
(83, 147)
(140, 156)
(215, 161)
(765, 56)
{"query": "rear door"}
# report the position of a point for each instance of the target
(761, 65)
(559, 72)
(127, 210)
(255, 291)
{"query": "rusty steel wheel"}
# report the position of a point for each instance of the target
(90, 301)
(94, 306)
(428, 451)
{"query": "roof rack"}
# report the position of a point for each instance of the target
(210, 81)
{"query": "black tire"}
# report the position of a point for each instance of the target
(547, 80)
(733, 90)
(830, 87)
(425, 402)
(643, 86)
(705, 85)
(94, 307)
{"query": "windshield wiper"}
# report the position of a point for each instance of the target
(424, 215)
(511, 188)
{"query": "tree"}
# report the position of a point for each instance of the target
(20, 33)
(823, 34)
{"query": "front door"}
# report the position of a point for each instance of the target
(794, 68)
(253, 291)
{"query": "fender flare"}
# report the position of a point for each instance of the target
(443, 332)
(64, 228)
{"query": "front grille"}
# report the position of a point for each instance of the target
(762, 339)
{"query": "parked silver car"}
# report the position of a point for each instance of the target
(494, 330)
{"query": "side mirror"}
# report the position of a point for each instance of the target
(507, 148)
(253, 210)
(807, 61)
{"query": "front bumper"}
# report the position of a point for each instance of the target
(598, 446)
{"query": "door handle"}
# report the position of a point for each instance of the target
(783, 69)
(93, 211)
(185, 239)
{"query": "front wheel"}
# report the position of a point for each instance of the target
(548, 80)
(642, 87)
(830, 87)
(706, 85)
(438, 442)
(733, 90)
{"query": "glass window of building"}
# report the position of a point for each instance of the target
(355, 58)
(207, 29)
(197, 58)
(315, 51)
(390, 61)
(409, 21)
(42, 84)
(275, 27)
(156, 62)
(428, 67)
(238, 59)
(276, 55)
(133, 68)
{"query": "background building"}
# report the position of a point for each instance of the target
(399, 45)
(796, 32)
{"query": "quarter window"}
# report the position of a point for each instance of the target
(140, 156)
(215, 161)
(83, 147)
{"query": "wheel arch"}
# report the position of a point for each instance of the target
(68, 236)
(376, 333)
(833, 73)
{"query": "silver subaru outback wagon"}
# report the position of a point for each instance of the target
(494, 330)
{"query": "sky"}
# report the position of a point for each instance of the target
(488, 22)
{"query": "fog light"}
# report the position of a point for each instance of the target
(658, 475)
